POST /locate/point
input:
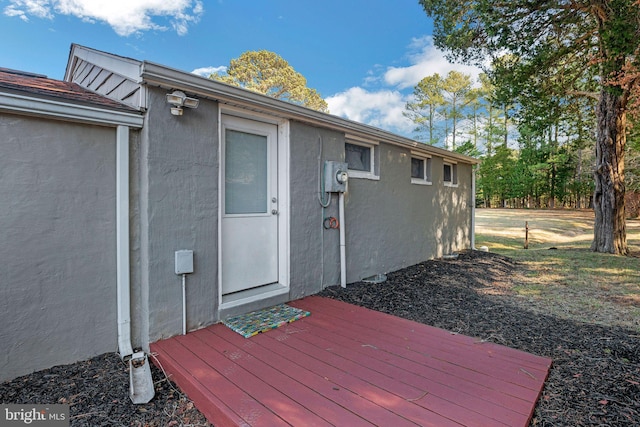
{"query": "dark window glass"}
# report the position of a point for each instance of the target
(447, 173)
(417, 168)
(358, 157)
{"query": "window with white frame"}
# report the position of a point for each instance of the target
(450, 173)
(361, 158)
(420, 169)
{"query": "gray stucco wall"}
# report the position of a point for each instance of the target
(390, 223)
(178, 210)
(57, 216)
(314, 250)
(57, 186)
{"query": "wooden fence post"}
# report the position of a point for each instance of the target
(526, 235)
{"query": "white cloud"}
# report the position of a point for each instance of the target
(37, 8)
(207, 71)
(425, 60)
(389, 89)
(126, 17)
(382, 108)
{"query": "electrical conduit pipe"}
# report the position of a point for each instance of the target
(343, 245)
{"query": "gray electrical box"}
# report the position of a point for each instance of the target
(335, 177)
(184, 262)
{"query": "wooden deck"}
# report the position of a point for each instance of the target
(350, 366)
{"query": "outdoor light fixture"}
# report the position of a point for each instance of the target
(178, 99)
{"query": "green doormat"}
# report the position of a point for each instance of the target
(253, 323)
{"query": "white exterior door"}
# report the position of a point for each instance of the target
(249, 162)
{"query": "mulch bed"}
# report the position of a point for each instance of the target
(97, 391)
(594, 381)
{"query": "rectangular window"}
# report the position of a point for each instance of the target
(358, 157)
(417, 168)
(362, 159)
(246, 164)
(447, 173)
(450, 174)
(420, 169)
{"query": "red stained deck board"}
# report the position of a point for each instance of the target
(406, 329)
(402, 393)
(299, 385)
(522, 379)
(452, 371)
(346, 365)
(386, 408)
(270, 397)
(199, 382)
(413, 382)
(393, 324)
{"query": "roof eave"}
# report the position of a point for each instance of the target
(41, 107)
(170, 78)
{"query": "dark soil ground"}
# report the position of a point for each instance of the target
(594, 381)
(97, 391)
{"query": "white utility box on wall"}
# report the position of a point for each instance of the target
(184, 261)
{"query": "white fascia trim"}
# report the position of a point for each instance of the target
(74, 112)
(125, 67)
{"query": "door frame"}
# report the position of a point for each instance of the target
(282, 286)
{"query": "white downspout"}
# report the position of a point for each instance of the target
(343, 246)
(141, 388)
(122, 242)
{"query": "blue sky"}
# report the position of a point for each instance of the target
(363, 56)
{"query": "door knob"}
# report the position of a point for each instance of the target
(274, 212)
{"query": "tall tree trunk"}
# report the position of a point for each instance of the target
(454, 113)
(578, 178)
(609, 231)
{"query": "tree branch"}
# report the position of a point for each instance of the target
(594, 95)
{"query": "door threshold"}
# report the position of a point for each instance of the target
(252, 295)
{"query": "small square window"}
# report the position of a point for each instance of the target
(420, 170)
(358, 157)
(361, 158)
(450, 174)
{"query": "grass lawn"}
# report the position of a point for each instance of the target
(561, 276)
